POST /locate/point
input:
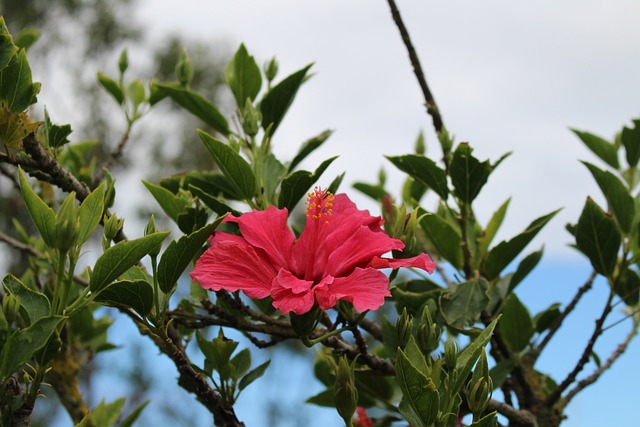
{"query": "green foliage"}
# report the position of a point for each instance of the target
(278, 99)
(598, 237)
(120, 257)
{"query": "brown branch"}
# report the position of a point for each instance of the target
(586, 354)
(372, 327)
(59, 175)
(622, 347)
(190, 379)
(558, 322)
(430, 102)
(382, 366)
(518, 417)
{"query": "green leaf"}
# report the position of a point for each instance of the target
(33, 305)
(492, 227)
(243, 76)
(253, 375)
(598, 238)
(16, 86)
(112, 87)
(501, 255)
(218, 351)
(617, 194)
(133, 416)
(106, 414)
(376, 192)
(170, 203)
(277, 101)
(444, 237)
(308, 147)
(42, 215)
(26, 38)
(195, 103)
(137, 295)
(271, 173)
(23, 343)
(468, 174)
(179, 254)
(212, 202)
(630, 138)
(628, 287)
(296, 185)
(545, 319)
(241, 362)
(90, 213)
(325, 398)
(489, 420)
(120, 257)
(464, 305)
(420, 400)
(524, 268)
(600, 147)
(468, 357)
(424, 170)
(236, 169)
(500, 372)
(415, 356)
(516, 327)
(7, 48)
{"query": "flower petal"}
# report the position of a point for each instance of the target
(321, 238)
(232, 264)
(421, 261)
(291, 294)
(358, 249)
(268, 230)
(365, 288)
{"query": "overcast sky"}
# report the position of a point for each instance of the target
(508, 76)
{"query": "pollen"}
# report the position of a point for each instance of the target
(319, 204)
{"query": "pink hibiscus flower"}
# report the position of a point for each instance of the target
(337, 257)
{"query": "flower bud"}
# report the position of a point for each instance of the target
(10, 307)
(305, 323)
(480, 392)
(250, 118)
(112, 226)
(404, 328)
(67, 226)
(151, 229)
(345, 392)
(271, 69)
(420, 145)
(184, 69)
(123, 61)
(451, 351)
(428, 335)
(480, 386)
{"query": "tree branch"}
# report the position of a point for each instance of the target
(430, 102)
(622, 347)
(556, 325)
(586, 354)
(518, 417)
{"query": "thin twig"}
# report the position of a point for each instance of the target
(558, 322)
(114, 158)
(622, 347)
(430, 102)
(586, 354)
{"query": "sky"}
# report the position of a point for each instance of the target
(507, 75)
